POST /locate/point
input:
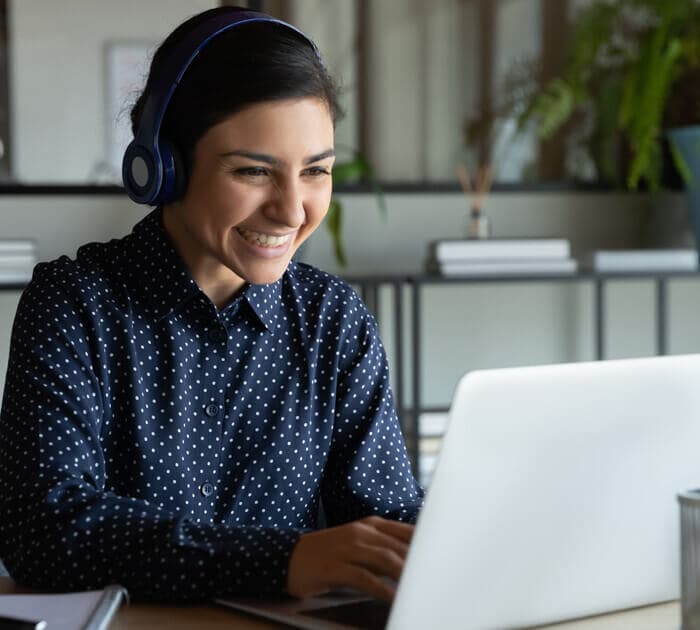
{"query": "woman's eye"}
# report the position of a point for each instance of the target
(251, 171)
(316, 171)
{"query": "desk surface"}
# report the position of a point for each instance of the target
(151, 616)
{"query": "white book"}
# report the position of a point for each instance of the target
(642, 260)
(20, 274)
(17, 246)
(433, 423)
(509, 267)
(427, 467)
(17, 260)
(64, 611)
(449, 250)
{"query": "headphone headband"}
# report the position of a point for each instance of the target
(148, 167)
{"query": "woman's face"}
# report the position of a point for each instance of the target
(260, 185)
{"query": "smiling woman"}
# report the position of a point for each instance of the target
(247, 209)
(179, 402)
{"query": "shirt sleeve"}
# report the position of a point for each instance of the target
(368, 471)
(61, 528)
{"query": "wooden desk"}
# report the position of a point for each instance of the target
(153, 617)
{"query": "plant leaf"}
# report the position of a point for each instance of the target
(680, 164)
(352, 170)
(334, 223)
(658, 62)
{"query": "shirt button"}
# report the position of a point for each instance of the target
(206, 489)
(216, 335)
(212, 410)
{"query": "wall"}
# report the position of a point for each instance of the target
(420, 90)
(57, 83)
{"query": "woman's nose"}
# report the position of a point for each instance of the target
(288, 206)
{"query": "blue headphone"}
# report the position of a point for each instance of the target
(149, 168)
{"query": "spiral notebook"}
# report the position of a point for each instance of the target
(85, 610)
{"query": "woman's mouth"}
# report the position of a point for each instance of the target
(264, 240)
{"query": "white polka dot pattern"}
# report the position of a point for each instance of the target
(149, 439)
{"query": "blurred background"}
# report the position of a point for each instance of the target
(426, 85)
(567, 101)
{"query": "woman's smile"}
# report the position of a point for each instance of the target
(263, 245)
(263, 239)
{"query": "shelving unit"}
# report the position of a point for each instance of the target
(369, 287)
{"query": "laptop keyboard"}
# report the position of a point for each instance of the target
(370, 614)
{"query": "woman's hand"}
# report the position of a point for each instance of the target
(358, 555)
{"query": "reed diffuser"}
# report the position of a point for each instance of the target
(478, 224)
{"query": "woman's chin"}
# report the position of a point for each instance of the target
(264, 274)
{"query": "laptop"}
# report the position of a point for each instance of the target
(554, 498)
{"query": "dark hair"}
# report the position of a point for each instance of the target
(248, 64)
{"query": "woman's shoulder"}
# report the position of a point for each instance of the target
(326, 296)
(314, 281)
(86, 275)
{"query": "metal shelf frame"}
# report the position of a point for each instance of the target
(369, 285)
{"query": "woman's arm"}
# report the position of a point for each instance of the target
(367, 483)
(368, 470)
(61, 527)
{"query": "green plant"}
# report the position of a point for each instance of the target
(349, 171)
(633, 67)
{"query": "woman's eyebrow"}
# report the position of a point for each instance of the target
(258, 157)
(320, 156)
(269, 159)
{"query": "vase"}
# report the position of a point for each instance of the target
(685, 144)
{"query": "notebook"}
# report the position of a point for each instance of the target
(86, 610)
(554, 498)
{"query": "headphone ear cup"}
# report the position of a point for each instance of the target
(167, 158)
(174, 173)
(181, 174)
(140, 173)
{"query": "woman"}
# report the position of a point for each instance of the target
(179, 401)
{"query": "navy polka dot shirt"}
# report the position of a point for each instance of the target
(150, 439)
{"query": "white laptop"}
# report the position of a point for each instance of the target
(554, 498)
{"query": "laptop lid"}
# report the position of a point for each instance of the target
(554, 495)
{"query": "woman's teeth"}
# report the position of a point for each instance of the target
(264, 240)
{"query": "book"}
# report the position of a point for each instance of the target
(17, 246)
(433, 423)
(86, 610)
(514, 267)
(499, 249)
(14, 260)
(642, 260)
(427, 468)
(20, 274)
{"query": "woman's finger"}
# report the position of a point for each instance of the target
(396, 529)
(379, 539)
(379, 560)
(365, 581)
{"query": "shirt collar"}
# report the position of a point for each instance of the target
(265, 300)
(154, 268)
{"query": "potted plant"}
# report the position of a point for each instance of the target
(631, 74)
(353, 170)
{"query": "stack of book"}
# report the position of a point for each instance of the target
(642, 260)
(433, 425)
(17, 260)
(467, 257)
